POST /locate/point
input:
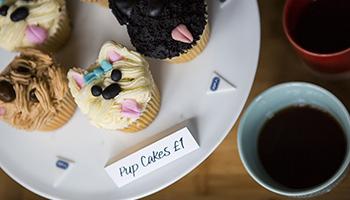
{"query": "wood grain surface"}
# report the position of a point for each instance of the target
(222, 175)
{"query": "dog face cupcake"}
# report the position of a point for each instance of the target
(34, 93)
(41, 24)
(118, 91)
(175, 30)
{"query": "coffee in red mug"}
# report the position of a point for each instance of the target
(319, 31)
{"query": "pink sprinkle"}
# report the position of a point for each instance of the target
(131, 109)
(79, 79)
(114, 56)
(36, 34)
(182, 34)
(2, 111)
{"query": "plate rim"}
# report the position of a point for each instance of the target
(193, 164)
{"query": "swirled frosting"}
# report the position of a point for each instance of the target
(136, 85)
(31, 88)
(41, 22)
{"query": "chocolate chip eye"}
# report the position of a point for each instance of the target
(7, 93)
(96, 90)
(122, 9)
(32, 96)
(116, 75)
(23, 70)
(19, 14)
(156, 7)
(126, 6)
(3, 10)
(111, 91)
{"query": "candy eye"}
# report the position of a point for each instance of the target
(7, 93)
(23, 70)
(3, 10)
(96, 90)
(32, 96)
(116, 75)
(19, 14)
(156, 7)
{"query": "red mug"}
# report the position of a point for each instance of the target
(336, 62)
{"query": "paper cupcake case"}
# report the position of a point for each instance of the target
(65, 111)
(59, 39)
(148, 115)
(100, 2)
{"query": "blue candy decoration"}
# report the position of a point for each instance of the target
(98, 72)
(89, 77)
(105, 67)
(215, 84)
(62, 164)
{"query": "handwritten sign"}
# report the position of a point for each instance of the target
(152, 157)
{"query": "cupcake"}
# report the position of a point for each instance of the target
(117, 92)
(100, 2)
(34, 93)
(41, 24)
(173, 30)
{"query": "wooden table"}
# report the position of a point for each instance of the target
(222, 175)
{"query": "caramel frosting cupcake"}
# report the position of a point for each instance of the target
(34, 93)
(42, 24)
(117, 92)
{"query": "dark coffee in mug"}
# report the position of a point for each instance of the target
(301, 146)
(324, 26)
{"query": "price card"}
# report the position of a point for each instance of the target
(152, 157)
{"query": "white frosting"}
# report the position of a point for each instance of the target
(136, 84)
(43, 13)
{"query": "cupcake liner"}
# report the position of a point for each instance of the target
(195, 50)
(65, 111)
(100, 2)
(148, 115)
(59, 39)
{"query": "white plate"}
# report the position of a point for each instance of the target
(233, 52)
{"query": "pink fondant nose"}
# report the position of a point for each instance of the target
(36, 34)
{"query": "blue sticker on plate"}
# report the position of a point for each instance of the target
(215, 84)
(62, 164)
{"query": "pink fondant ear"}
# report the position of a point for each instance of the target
(36, 34)
(131, 109)
(114, 56)
(2, 111)
(78, 78)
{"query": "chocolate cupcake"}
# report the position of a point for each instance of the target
(34, 93)
(173, 30)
